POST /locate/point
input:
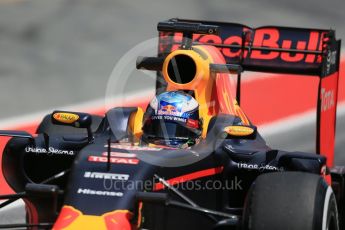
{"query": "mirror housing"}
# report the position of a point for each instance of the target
(74, 119)
(240, 132)
(41, 190)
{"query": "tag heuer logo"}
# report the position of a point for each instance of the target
(67, 118)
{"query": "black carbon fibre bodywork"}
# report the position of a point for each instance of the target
(109, 176)
(235, 164)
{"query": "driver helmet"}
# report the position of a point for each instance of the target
(172, 119)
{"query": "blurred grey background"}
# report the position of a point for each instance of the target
(61, 52)
(58, 52)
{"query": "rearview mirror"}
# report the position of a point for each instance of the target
(74, 119)
(77, 120)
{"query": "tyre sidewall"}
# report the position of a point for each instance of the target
(288, 185)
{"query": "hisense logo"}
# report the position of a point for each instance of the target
(86, 191)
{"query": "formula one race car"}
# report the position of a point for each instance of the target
(81, 171)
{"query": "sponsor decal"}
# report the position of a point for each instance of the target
(72, 218)
(262, 37)
(331, 60)
(130, 161)
(239, 131)
(117, 154)
(67, 216)
(193, 123)
(119, 219)
(189, 177)
(135, 148)
(169, 110)
(67, 118)
(262, 167)
(169, 118)
(107, 176)
(86, 191)
(327, 99)
(51, 151)
(323, 170)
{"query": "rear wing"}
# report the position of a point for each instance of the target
(266, 49)
(274, 49)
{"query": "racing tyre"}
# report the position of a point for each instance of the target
(290, 201)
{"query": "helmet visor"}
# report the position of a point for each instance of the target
(160, 129)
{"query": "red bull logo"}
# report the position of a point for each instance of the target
(263, 37)
(119, 219)
(67, 216)
(71, 218)
(169, 110)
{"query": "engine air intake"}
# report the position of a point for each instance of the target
(181, 69)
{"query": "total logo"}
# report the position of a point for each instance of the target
(106, 176)
(114, 160)
(327, 99)
(86, 191)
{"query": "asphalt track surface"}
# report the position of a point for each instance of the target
(56, 53)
